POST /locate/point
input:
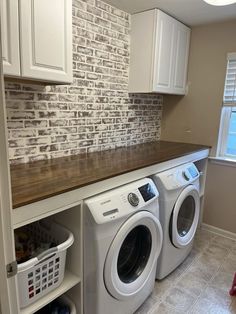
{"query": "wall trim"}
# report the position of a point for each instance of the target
(219, 231)
(223, 161)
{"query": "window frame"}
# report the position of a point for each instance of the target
(227, 109)
(223, 131)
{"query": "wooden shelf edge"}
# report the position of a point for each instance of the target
(69, 281)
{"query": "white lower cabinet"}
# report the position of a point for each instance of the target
(44, 30)
(67, 210)
(159, 53)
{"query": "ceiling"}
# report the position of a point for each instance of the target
(190, 12)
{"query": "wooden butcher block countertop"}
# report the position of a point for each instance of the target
(42, 179)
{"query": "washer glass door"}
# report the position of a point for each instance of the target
(132, 255)
(185, 217)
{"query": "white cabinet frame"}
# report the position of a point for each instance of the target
(8, 293)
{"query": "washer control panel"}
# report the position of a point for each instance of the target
(123, 200)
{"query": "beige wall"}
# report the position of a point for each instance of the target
(195, 117)
(220, 201)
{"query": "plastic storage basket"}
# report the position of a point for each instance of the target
(62, 300)
(40, 275)
(66, 300)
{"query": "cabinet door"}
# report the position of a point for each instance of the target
(163, 64)
(10, 37)
(46, 40)
(182, 39)
(143, 40)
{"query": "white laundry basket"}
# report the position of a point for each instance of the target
(40, 275)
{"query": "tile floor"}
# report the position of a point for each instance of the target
(200, 285)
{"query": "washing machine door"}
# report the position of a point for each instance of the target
(133, 255)
(185, 217)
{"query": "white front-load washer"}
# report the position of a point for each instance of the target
(122, 241)
(179, 214)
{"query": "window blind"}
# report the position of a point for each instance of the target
(230, 81)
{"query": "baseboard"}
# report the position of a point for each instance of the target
(222, 232)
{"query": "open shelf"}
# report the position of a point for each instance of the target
(72, 283)
(70, 280)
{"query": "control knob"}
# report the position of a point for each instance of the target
(133, 199)
(186, 175)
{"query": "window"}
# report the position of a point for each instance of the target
(227, 134)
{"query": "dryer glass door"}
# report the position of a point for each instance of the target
(132, 255)
(185, 217)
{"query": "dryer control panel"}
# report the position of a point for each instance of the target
(178, 177)
(123, 200)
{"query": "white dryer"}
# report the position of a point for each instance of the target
(122, 241)
(179, 214)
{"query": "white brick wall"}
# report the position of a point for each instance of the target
(95, 112)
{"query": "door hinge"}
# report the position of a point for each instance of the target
(11, 269)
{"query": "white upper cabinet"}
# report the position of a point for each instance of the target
(159, 53)
(45, 31)
(46, 39)
(10, 37)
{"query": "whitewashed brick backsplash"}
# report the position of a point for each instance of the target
(95, 112)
